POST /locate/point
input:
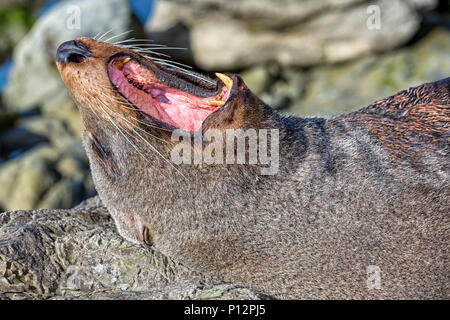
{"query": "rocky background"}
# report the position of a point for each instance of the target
(303, 57)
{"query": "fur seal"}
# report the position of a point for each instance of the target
(359, 207)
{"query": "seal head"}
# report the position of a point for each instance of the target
(130, 107)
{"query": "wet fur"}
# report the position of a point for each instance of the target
(366, 188)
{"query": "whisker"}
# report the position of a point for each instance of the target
(121, 132)
(95, 37)
(144, 140)
(105, 34)
(192, 74)
(120, 34)
(132, 40)
(135, 126)
(142, 45)
(151, 50)
(136, 49)
(148, 49)
(92, 109)
(155, 47)
(172, 62)
(131, 107)
(110, 119)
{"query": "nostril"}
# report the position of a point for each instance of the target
(76, 58)
(72, 51)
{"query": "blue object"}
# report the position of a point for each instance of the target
(5, 70)
(15, 154)
(46, 7)
(142, 9)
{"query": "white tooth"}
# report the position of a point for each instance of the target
(226, 79)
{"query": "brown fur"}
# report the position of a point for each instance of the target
(408, 120)
(367, 188)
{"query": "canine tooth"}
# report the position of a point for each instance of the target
(119, 64)
(217, 103)
(226, 79)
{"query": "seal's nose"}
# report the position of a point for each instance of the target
(72, 51)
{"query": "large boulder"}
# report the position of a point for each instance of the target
(77, 254)
(234, 34)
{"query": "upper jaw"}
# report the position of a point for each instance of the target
(178, 80)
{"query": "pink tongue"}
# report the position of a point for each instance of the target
(162, 102)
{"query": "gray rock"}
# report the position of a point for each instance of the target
(347, 87)
(19, 140)
(25, 181)
(55, 129)
(62, 107)
(257, 78)
(62, 194)
(72, 167)
(234, 34)
(29, 131)
(34, 80)
(46, 177)
(77, 254)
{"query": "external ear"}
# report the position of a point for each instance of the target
(242, 110)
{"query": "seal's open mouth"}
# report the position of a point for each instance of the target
(178, 102)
